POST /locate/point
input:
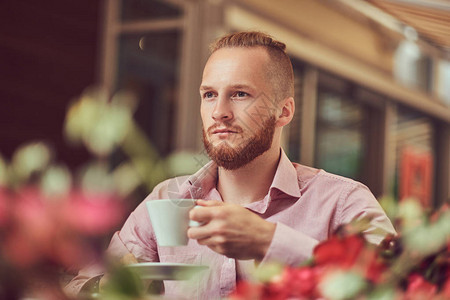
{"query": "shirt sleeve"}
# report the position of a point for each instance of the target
(289, 246)
(83, 280)
(292, 247)
(135, 237)
(359, 204)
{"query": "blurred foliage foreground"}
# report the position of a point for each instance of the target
(54, 220)
(415, 264)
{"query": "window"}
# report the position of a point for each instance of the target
(136, 10)
(293, 130)
(148, 65)
(339, 135)
(143, 53)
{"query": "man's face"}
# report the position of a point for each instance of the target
(238, 107)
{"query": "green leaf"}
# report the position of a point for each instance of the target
(123, 284)
(339, 285)
(267, 272)
(390, 206)
(383, 293)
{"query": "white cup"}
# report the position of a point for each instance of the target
(170, 220)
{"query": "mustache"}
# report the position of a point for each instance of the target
(226, 126)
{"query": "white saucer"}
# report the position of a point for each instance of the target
(166, 271)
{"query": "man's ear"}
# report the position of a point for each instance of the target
(287, 112)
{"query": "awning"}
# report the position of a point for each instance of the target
(430, 18)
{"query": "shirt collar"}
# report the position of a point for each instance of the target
(285, 181)
(199, 184)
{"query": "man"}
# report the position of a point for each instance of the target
(256, 206)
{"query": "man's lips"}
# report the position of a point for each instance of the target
(217, 131)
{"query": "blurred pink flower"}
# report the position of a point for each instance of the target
(446, 289)
(4, 207)
(55, 230)
(32, 228)
(20, 251)
(72, 252)
(34, 216)
(92, 214)
(419, 288)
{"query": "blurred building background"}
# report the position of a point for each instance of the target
(372, 77)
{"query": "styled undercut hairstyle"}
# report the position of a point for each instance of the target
(279, 69)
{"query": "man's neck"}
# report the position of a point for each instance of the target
(250, 183)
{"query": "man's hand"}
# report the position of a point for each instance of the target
(231, 230)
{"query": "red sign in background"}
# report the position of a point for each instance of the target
(416, 175)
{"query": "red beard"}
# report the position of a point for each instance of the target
(234, 158)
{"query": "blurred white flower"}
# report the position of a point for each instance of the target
(3, 172)
(96, 178)
(30, 158)
(181, 163)
(100, 124)
(56, 181)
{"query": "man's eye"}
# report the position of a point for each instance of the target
(241, 94)
(208, 95)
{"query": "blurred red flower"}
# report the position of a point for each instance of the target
(339, 251)
(246, 290)
(302, 282)
(393, 269)
(375, 268)
(419, 288)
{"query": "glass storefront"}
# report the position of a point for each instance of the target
(294, 128)
(339, 135)
(344, 132)
(148, 65)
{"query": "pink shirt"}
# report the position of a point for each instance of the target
(306, 204)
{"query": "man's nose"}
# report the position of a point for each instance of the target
(222, 110)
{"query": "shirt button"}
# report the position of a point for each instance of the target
(230, 260)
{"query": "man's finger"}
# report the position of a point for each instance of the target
(199, 233)
(208, 203)
(201, 214)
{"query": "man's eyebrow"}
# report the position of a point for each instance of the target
(241, 86)
(235, 87)
(205, 88)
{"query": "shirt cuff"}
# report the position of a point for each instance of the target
(289, 246)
